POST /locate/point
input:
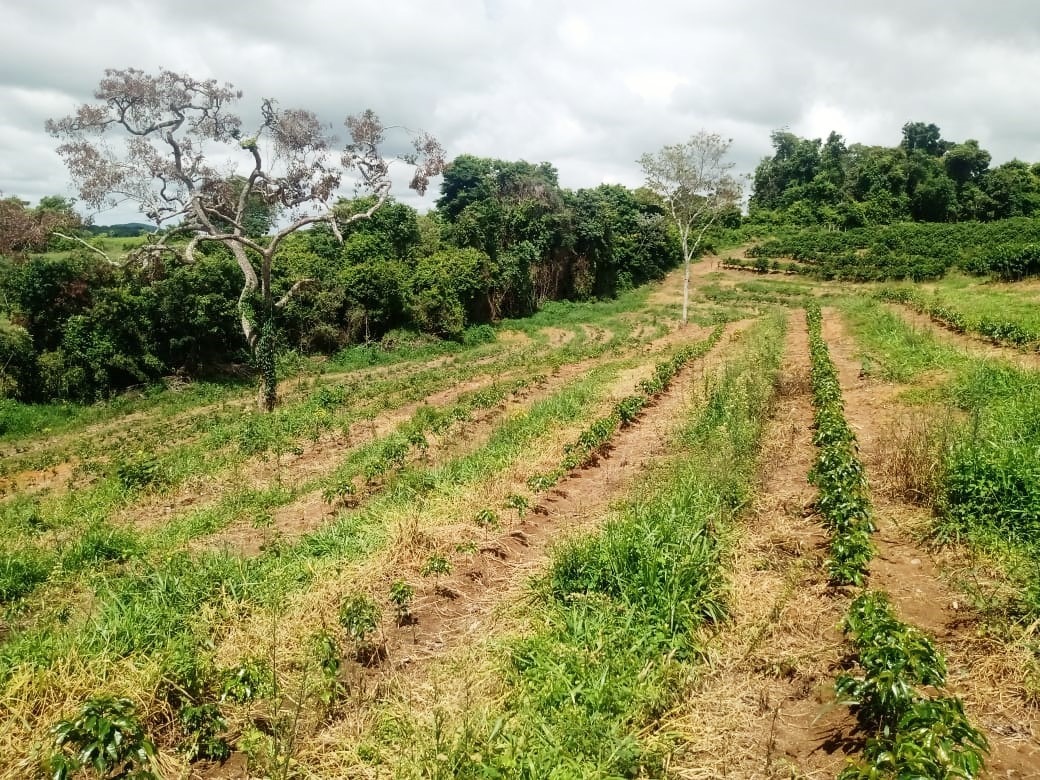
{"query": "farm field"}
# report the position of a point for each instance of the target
(592, 545)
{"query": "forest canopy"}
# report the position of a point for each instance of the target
(505, 237)
(925, 178)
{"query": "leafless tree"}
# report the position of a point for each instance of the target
(23, 229)
(169, 143)
(694, 182)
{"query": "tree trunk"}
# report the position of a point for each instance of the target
(264, 354)
(686, 294)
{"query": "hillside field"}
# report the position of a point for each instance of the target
(799, 537)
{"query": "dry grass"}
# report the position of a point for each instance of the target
(909, 456)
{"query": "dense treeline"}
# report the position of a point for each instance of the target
(1008, 249)
(912, 211)
(504, 238)
(925, 179)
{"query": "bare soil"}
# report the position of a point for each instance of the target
(763, 705)
(985, 674)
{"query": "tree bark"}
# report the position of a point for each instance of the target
(686, 294)
(264, 355)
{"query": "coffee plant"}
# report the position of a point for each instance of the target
(838, 473)
(106, 737)
(912, 732)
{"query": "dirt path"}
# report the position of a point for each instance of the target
(310, 511)
(182, 427)
(975, 345)
(460, 610)
(759, 710)
(985, 673)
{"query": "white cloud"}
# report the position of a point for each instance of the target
(587, 85)
(654, 85)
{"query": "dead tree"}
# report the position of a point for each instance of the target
(171, 144)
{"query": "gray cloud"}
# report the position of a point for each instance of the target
(588, 85)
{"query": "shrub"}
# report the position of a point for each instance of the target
(104, 736)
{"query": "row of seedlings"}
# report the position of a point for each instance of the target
(592, 441)
(838, 472)
(999, 331)
(916, 730)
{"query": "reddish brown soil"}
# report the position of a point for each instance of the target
(39, 480)
(907, 571)
(763, 706)
(558, 336)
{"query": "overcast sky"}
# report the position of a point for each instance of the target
(587, 85)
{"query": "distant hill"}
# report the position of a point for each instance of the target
(124, 230)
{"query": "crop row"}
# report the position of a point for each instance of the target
(1008, 249)
(910, 732)
(998, 330)
(27, 565)
(913, 733)
(838, 472)
(592, 441)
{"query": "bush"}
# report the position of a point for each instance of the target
(104, 736)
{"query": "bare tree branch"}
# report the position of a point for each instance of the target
(281, 302)
(92, 248)
(173, 125)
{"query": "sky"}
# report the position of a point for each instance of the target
(588, 85)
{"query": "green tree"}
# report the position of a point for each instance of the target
(1014, 190)
(923, 137)
(174, 127)
(447, 290)
(780, 180)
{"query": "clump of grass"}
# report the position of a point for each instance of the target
(21, 571)
(914, 450)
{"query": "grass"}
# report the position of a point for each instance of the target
(219, 649)
(890, 348)
(158, 606)
(614, 627)
(231, 440)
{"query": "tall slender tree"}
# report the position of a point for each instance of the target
(177, 162)
(693, 179)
